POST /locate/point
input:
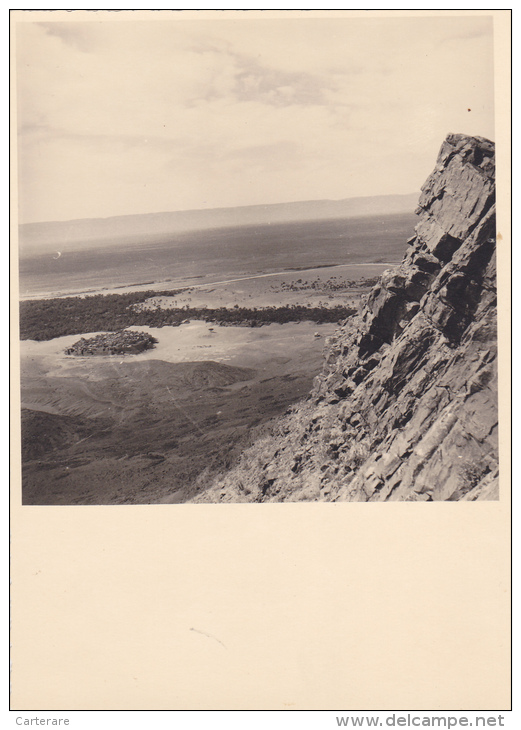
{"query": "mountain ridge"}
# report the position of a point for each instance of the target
(405, 408)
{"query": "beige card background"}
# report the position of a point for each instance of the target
(276, 606)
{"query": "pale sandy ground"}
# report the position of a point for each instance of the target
(218, 296)
(274, 349)
(193, 342)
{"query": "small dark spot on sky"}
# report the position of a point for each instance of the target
(468, 110)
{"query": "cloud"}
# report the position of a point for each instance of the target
(255, 82)
(480, 28)
(71, 34)
(140, 116)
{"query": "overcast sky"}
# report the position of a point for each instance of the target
(119, 117)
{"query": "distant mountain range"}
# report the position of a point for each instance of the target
(35, 238)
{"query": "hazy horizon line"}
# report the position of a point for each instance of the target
(222, 207)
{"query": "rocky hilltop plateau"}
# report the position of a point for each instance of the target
(406, 405)
(124, 342)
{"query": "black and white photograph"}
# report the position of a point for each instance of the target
(257, 259)
(260, 317)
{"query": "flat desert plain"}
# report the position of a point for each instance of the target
(156, 427)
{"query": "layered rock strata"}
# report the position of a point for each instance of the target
(124, 342)
(406, 406)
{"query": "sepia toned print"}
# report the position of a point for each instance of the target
(250, 346)
(254, 263)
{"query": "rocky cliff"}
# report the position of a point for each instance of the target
(406, 405)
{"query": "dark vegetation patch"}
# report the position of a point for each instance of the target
(45, 319)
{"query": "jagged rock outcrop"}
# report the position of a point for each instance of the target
(406, 406)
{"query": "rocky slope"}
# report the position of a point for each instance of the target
(406, 405)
